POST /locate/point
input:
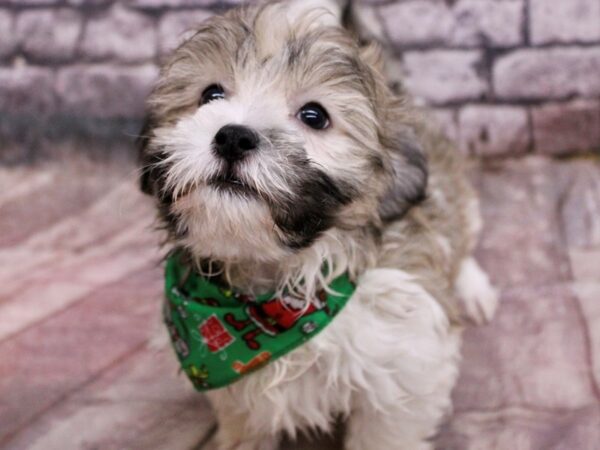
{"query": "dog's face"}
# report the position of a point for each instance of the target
(270, 126)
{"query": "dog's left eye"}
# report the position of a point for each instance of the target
(314, 115)
(213, 92)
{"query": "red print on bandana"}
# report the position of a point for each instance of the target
(274, 317)
(216, 337)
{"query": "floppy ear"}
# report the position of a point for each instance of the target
(406, 163)
(408, 173)
(146, 160)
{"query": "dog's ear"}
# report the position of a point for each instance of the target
(405, 161)
(407, 173)
(145, 159)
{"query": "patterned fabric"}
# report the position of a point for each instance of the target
(220, 335)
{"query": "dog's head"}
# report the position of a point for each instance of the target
(270, 126)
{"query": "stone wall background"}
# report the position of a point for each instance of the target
(504, 77)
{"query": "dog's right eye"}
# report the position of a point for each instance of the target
(314, 115)
(211, 93)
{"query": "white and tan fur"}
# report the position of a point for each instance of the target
(388, 362)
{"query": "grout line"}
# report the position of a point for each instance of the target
(525, 28)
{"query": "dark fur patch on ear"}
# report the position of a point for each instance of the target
(152, 178)
(155, 178)
(146, 160)
(409, 177)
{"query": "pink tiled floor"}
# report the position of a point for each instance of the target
(80, 288)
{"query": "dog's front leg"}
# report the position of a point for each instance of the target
(399, 429)
(408, 425)
(234, 432)
(409, 364)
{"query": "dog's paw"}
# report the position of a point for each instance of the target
(479, 299)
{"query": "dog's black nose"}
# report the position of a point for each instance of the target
(232, 142)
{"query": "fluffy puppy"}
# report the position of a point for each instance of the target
(273, 145)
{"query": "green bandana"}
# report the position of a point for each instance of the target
(220, 335)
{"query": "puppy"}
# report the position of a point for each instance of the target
(273, 146)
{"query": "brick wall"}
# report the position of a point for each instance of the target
(505, 77)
